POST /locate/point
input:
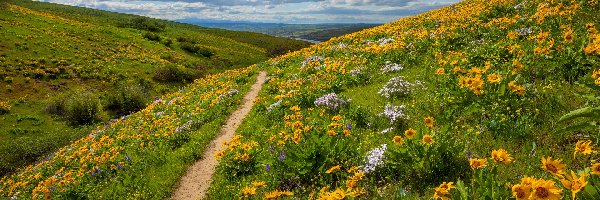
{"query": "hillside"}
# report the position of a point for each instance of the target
(495, 99)
(58, 61)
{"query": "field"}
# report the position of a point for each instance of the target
(51, 56)
(495, 99)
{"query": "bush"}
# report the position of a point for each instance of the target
(168, 42)
(78, 108)
(145, 23)
(172, 72)
(127, 99)
(195, 49)
(152, 36)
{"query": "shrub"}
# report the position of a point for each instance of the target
(4, 107)
(78, 108)
(168, 42)
(147, 24)
(171, 72)
(152, 36)
(127, 99)
(195, 49)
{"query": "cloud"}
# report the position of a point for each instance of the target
(279, 11)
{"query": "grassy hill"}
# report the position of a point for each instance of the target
(57, 62)
(479, 100)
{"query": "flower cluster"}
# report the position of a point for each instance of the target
(312, 60)
(374, 159)
(394, 113)
(596, 76)
(391, 67)
(357, 71)
(396, 86)
(330, 101)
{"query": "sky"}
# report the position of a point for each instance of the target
(270, 11)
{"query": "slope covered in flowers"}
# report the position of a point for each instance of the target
(461, 102)
(140, 156)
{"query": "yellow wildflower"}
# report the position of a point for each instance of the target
(501, 156)
(410, 133)
(333, 169)
(477, 163)
(583, 148)
(398, 140)
(440, 71)
(427, 139)
(596, 169)
(429, 122)
(554, 167)
(574, 183)
(545, 189)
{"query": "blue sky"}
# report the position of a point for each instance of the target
(274, 11)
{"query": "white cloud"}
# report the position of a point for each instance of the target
(280, 11)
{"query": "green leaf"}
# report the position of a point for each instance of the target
(577, 127)
(582, 112)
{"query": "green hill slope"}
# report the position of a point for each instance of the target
(53, 57)
(463, 102)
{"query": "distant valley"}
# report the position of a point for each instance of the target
(314, 33)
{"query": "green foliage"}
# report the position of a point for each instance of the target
(174, 73)
(152, 36)
(196, 49)
(127, 98)
(146, 24)
(76, 107)
(421, 166)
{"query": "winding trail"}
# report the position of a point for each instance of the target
(194, 184)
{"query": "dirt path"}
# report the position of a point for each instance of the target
(194, 184)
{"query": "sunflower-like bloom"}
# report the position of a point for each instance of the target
(248, 191)
(521, 192)
(443, 190)
(398, 140)
(410, 133)
(427, 139)
(596, 169)
(574, 183)
(583, 147)
(477, 163)
(429, 122)
(440, 71)
(544, 190)
(554, 167)
(494, 78)
(501, 156)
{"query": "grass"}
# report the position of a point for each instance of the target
(48, 50)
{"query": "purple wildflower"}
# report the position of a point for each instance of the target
(396, 86)
(391, 67)
(395, 113)
(349, 126)
(268, 167)
(281, 156)
(271, 149)
(374, 158)
(96, 171)
(330, 101)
